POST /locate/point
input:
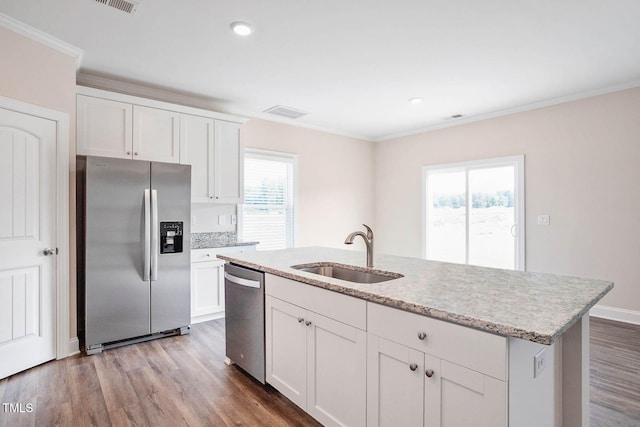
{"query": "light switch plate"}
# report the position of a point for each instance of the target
(544, 220)
(221, 220)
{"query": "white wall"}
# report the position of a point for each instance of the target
(335, 179)
(40, 75)
(582, 167)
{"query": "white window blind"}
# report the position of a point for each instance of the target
(268, 209)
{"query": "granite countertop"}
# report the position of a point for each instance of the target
(220, 239)
(532, 306)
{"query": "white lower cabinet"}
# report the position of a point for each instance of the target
(317, 362)
(409, 388)
(207, 282)
(207, 290)
(396, 369)
(426, 372)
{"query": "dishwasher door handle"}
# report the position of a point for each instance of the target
(242, 282)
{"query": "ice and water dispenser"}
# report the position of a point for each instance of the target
(171, 237)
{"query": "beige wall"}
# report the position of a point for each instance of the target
(582, 167)
(37, 74)
(335, 179)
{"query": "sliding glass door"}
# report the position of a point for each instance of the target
(474, 212)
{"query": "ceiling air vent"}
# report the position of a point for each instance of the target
(288, 112)
(123, 5)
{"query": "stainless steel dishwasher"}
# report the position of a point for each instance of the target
(244, 319)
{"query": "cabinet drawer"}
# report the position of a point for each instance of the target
(209, 254)
(343, 308)
(477, 350)
(201, 255)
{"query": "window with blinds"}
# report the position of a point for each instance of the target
(267, 214)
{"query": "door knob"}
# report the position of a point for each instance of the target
(50, 251)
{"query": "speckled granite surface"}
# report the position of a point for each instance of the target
(532, 306)
(219, 239)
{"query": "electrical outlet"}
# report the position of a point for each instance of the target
(234, 219)
(193, 219)
(539, 362)
(221, 220)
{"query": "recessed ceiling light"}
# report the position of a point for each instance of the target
(241, 28)
(415, 101)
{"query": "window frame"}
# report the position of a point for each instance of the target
(519, 196)
(292, 207)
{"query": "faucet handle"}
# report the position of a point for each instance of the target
(369, 231)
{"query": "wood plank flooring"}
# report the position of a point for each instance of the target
(615, 374)
(176, 381)
(183, 381)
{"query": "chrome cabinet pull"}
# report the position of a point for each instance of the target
(308, 323)
(421, 336)
(429, 373)
(413, 366)
(300, 320)
(50, 251)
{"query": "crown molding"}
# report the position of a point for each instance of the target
(166, 95)
(519, 109)
(41, 37)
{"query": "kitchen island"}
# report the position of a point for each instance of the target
(510, 348)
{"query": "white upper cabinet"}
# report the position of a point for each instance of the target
(196, 149)
(156, 134)
(228, 183)
(212, 148)
(116, 125)
(104, 127)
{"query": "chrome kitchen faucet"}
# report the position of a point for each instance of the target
(368, 240)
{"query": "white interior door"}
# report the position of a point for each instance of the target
(27, 230)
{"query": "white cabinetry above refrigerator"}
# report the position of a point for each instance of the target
(115, 125)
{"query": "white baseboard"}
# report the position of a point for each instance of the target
(207, 317)
(613, 313)
(74, 346)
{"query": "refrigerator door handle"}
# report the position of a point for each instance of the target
(146, 268)
(154, 235)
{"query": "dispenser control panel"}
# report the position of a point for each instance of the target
(171, 237)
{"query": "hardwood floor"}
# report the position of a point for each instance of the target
(174, 381)
(615, 374)
(183, 381)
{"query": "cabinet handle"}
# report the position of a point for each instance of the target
(413, 366)
(300, 320)
(135, 154)
(128, 153)
(421, 336)
(429, 373)
(308, 323)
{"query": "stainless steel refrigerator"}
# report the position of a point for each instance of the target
(133, 250)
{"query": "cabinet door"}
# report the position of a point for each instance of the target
(395, 384)
(228, 169)
(104, 127)
(456, 396)
(196, 149)
(286, 344)
(156, 134)
(207, 288)
(336, 372)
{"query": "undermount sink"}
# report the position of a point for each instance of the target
(348, 273)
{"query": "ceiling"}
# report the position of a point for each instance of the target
(353, 65)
